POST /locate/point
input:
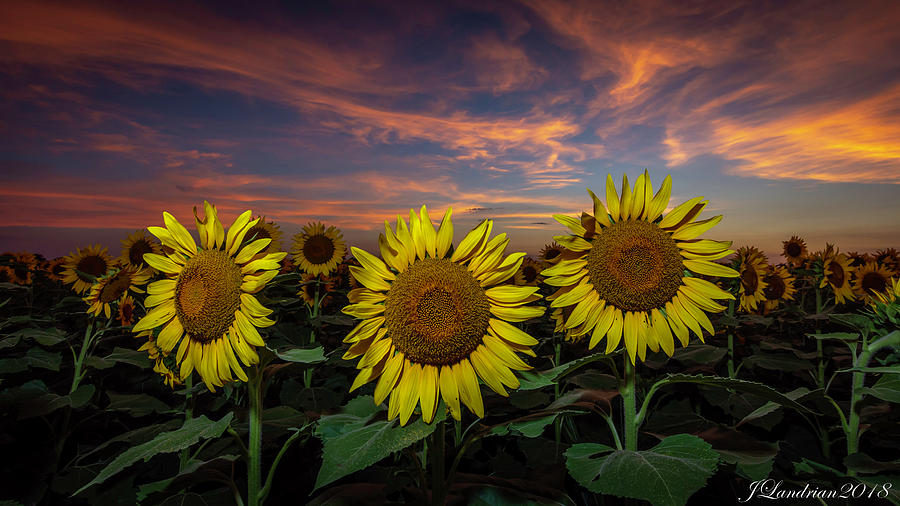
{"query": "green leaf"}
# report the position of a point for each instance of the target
(302, 355)
(362, 446)
(136, 404)
(9, 342)
(752, 387)
(129, 356)
(136, 436)
(39, 357)
(777, 362)
(855, 321)
(529, 380)
(44, 337)
(284, 417)
(840, 336)
(862, 463)
(667, 474)
(771, 407)
(887, 388)
(697, 354)
(355, 414)
(529, 428)
(192, 431)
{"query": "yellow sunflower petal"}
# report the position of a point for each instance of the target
(444, 238)
(449, 391)
(708, 268)
(428, 392)
(469, 391)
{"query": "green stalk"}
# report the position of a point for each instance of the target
(188, 414)
(557, 424)
(254, 470)
(313, 314)
(79, 361)
(730, 314)
(628, 394)
(438, 483)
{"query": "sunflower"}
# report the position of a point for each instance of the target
(529, 274)
(779, 287)
(265, 230)
(55, 268)
(889, 258)
(20, 268)
(629, 280)
(126, 311)
(871, 279)
(113, 286)
(158, 356)
(858, 259)
(287, 265)
(551, 254)
(318, 250)
(795, 251)
(208, 298)
(891, 294)
(559, 317)
(752, 269)
(836, 272)
(308, 289)
(84, 266)
(434, 322)
(135, 246)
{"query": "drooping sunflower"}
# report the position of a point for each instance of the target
(55, 268)
(135, 246)
(628, 279)
(436, 322)
(871, 279)
(318, 250)
(551, 254)
(529, 274)
(84, 266)
(113, 286)
(779, 287)
(159, 358)
(207, 303)
(126, 311)
(795, 251)
(752, 268)
(308, 289)
(837, 273)
(21, 267)
(262, 230)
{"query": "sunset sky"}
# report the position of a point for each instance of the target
(786, 115)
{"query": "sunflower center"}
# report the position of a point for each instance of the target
(115, 286)
(318, 249)
(793, 249)
(137, 250)
(207, 294)
(775, 287)
(436, 312)
(635, 265)
(93, 265)
(256, 232)
(873, 282)
(58, 269)
(835, 274)
(749, 279)
(126, 310)
(551, 254)
(529, 273)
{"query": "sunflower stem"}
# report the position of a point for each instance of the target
(184, 456)
(730, 313)
(79, 362)
(438, 477)
(313, 315)
(557, 423)
(627, 391)
(254, 470)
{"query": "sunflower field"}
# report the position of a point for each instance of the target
(634, 361)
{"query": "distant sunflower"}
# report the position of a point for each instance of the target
(858, 259)
(21, 267)
(891, 294)
(752, 269)
(779, 287)
(135, 246)
(55, 268)
(795, 251)
(207, 302)
(837, 274)
(434, 322)
(126, 311)
(529, 274)
(287, 265)
(871, 279)
(265, 230)
(889, 258)
(629, 277)
(559, 317)
(551, 254)
(84, 266)
(318, 250)
(112, 286)
(308, 289)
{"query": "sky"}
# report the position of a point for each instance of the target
(785, 115)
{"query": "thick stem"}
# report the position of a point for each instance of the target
(438, 478)
(79, 362)
(313, 314)
(557, 424)
(184, 456)
(254, 468)
(629, 398)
